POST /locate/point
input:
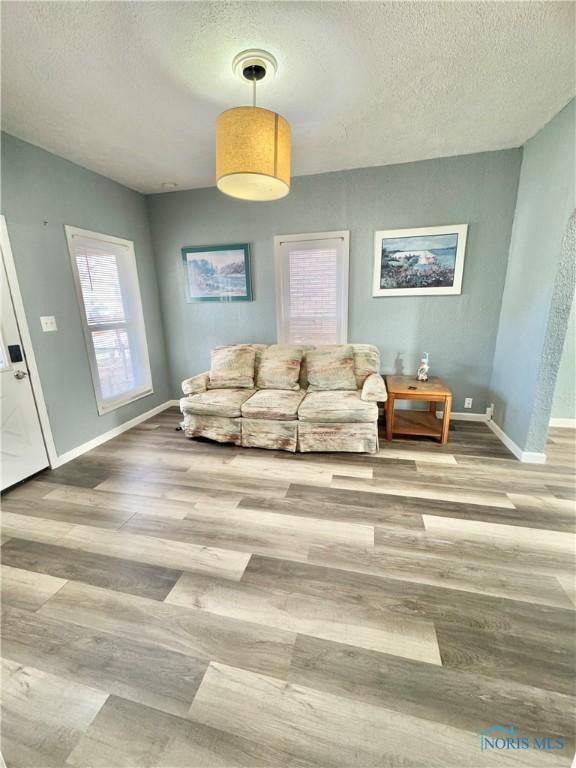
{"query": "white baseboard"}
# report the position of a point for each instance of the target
(64, 458)
(532, 457)
(566, 423)
(465, 416)
(526, 457)
(458, 415)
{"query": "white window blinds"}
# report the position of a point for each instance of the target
(108, 292)
(100, 283)
(312, 288)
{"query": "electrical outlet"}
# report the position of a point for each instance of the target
(48, 323)
(468, 402)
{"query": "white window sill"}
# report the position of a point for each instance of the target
(107, 406)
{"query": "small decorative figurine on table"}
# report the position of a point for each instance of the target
(423, 368)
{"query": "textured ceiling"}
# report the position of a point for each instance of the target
(132, 89)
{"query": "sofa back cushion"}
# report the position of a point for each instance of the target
(331, 367)
(366, 361)
(279, 367)
(232, 367)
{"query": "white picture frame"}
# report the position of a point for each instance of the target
(418, 261)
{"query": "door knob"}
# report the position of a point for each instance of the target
(20, 374)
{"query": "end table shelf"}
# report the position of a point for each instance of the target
(423, 423)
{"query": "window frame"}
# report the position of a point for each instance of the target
(136, 321)
(279, 240)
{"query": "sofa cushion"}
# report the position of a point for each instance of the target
(331, 368)
(216, 402)
(279, 367)
(279, 404)
(336, 407)
(232, 367)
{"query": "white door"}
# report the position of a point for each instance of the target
(22, 448)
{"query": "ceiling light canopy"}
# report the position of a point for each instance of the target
(253, 144)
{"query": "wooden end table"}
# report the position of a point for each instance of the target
(417, 422)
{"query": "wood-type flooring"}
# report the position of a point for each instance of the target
(169, 603)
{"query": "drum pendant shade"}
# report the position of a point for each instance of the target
(252, 154)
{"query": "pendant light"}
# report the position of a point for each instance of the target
(253, 144)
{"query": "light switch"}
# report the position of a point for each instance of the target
(48, 323)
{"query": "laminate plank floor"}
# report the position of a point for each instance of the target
(114, 573)
(170, 603)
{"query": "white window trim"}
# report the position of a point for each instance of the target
(343, 235)
(110, 404)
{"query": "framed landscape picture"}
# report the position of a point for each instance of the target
(419, 262)
(217, 272)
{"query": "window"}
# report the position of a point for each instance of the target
(312, 288)
(106, 281)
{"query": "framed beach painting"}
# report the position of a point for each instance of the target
(419, 262)
(217, 272)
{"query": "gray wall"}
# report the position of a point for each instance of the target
(458, 331)
(539, 286)
(42, 193)
(564, 403)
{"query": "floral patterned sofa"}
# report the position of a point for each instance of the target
(288, 397)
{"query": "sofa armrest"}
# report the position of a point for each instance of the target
(196, 384)
(374, 389)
